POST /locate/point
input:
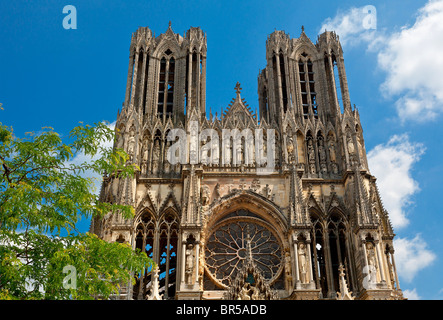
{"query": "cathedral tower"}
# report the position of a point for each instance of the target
(275, 205)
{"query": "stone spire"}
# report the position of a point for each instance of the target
(154, 289)
(344, 293)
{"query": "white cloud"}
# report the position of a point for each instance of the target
(411, 256)
(82, 158)
(353, 26)
(411, 294)
(413, 61)
(411, 58)
(392, 164)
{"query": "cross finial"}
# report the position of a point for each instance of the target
(341, 269)
(237, 88)
(302, 28)
(169, 23)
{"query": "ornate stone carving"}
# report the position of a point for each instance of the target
(290, 149)
(131, 143)
(344, 293)
(303, 262)
(206, 195)
(189, 264)
(372, 262)
(255, 185)
(313, 144)
(249, 283)
(155, 157)
(155, 295)
(331, 147)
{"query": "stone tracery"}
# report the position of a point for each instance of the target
(315, 213)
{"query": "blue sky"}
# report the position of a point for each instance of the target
(50, 76)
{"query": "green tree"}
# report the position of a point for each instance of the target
(43, 194)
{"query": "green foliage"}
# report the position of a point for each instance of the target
(43, 192)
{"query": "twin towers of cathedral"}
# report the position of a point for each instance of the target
(314, 225)
(302, 91)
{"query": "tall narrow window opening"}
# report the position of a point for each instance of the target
(161, 88)
(132, 77)
(194, 79)
(144, 241)
(265, 107)
(337, 82)
(186, 97)
(170, 98)
(312, 92)
(145, 86)
(283, 83)
(138, 84)
(275, 74)
(304, 92)
(168, 240)
(318, 256)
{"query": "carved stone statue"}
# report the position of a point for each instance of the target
(193, 144)
(311, 152)
(227, 149)
(321, 151)
(255, 185)
(372, 262)
(189, 267)
(351, 148)
(323, 167)
(155, 157)
(215, 150)
(204, 153)
(256, 294)
(374, 210)
(312, 168)
(167, 166)
(239, 154)
(206, 195)
(290, 149)
(303, 263)
(267, 191)
(371, 254)
(331, 148)
(288, 268)
(334, 168)
(244, 293)
(121, 140)
(145, 160)
(217, 191)
(166, 163)
(131, 143)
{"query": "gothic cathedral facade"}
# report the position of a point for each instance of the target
(311, 226)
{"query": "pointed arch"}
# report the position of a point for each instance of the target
(145, 226)
(318, 259)
(170, 46)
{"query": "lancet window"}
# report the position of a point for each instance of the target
(330, 249)
(307, 86)
(166, 87)
(159, 239)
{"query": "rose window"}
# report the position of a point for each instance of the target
(226, 249)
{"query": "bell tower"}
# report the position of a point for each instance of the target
(166, 74)
(303, 91)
